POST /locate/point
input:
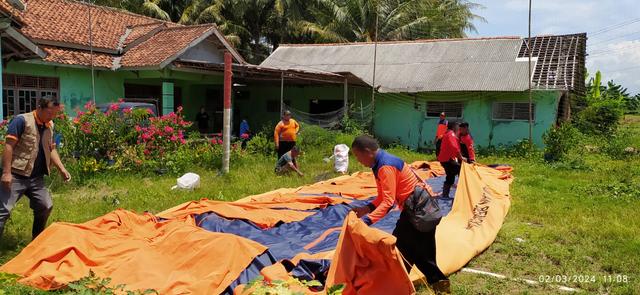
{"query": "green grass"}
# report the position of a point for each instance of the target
(573, 222)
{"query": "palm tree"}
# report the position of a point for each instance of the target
(361, 20)
(256, 27)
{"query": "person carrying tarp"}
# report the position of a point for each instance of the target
(440, 131)
(466, 143)
(288, 162)
(285, 133)
(450, 157)
(28, 154)
(396, 183)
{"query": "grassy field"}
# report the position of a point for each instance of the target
(564, 226)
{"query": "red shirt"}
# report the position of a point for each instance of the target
(466, 141)
(450, 147)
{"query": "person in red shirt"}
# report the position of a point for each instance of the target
(466, 143)
(396, 181)
(440, 131)
(450, 157)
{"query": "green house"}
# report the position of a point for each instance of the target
(483, 81)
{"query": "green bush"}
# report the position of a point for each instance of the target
(600, 117)
(619, 145)
(260, 143)
(560, 142)
(313, 136)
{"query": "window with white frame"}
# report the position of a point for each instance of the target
(513, 111)
(20, 93)
(451, 109)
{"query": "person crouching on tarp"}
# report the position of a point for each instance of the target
(450, 157)
(396, 182)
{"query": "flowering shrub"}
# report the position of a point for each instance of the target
(164, 134)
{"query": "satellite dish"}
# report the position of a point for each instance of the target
(18, 4)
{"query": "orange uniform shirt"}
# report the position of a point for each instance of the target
(286, 132)
(395, 182)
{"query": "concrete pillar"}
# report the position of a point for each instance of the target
(167, 97)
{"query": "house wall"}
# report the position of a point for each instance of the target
(75, 84)
(402, 119)
(300, 97)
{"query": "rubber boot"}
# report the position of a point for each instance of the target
(445, 190)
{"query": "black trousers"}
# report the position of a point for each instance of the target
(284, 147)
(438, 144)
(418, 248)
(452, 169)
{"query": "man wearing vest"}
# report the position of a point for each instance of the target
(466, 143)
(28, 154)
(396, 182)
(450, 157)
(285, 134)
(440, 131)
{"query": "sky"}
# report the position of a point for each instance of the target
(612, 27)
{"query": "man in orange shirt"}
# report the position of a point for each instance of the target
(450, 157)
(396, 182)
(285, 134)
(440, 131)
(466, 143)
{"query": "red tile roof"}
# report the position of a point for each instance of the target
(68, 56)
(164, 45)
(140, 31)
(61, 27)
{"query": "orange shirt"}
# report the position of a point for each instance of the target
(286, 132)
(395, 182)
(442, 128)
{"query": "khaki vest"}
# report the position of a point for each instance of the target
(26, 150)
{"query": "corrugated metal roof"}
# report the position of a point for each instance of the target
(452, 65)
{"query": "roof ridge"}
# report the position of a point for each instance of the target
(212, 25)
(159, 23)
(405, 41)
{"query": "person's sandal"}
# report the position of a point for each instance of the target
(441, 287)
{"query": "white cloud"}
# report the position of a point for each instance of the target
(621, 59)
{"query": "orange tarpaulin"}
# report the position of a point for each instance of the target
(176, 257)
(367, 261)
(481, 203)
(259, 213)
(169, 257)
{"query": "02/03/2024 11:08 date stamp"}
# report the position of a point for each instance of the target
(605, 278)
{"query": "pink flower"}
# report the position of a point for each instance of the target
(173, 138)
(149, 111)
(86, 128)
(147, 152)
(138, 128)
(168, 129)
(180, 135)
(244, 136)
(146, 136)
(80, 113)
(127, 111)
(179, 109)
(114, 107)
(88, 105)
(76, 120)
(182, 141)
(121, 100)
(219, 141)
